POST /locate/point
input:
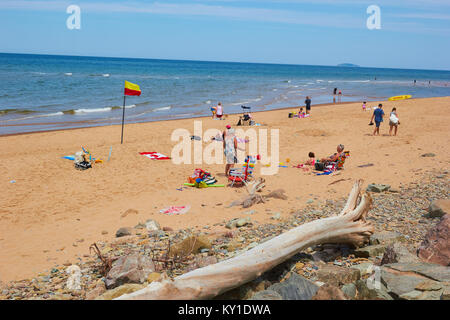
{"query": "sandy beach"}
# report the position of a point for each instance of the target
(50, 213)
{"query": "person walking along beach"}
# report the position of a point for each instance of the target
(393, 121)
(378, 115)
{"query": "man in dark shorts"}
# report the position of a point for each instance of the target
(378, 114)
(308, 105)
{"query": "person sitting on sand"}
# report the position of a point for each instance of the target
(229, 149)
(393, 122)
(301, 113)
(312, 159)
(378, 115)
(334, 157)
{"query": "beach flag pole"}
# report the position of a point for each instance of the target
(131, 89)
(123, 118)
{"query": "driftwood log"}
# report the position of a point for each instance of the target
(348, 227)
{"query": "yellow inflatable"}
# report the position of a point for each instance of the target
(399, 98)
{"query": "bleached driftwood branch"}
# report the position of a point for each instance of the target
(205, 283)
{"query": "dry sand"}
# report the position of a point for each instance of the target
(52, 213)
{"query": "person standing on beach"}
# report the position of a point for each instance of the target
(213, 110)
(230, 150)
(334, 91)
(339, 96)
(219, 111)
(378, 115)
(308, 105)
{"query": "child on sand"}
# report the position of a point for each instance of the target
(312, 159)
(364, 106)
(301, 113)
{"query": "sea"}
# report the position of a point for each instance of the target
(50, 92)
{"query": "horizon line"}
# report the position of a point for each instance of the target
(216, 61)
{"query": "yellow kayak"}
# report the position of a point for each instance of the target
(399, 98)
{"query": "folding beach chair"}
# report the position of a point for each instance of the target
(245, 174)
(245, 119)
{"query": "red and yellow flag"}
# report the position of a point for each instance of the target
(132, 89)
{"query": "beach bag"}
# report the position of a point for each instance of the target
(319, 166)
(83, 165)
(393, 118)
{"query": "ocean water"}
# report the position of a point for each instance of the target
(44, 92)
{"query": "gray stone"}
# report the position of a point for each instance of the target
(123, 232)
(267, 295)
(374, 187)
(238, 222)
(436, 246)
(295, 288)
(349, 290)
(422, 295)
(152, 225)
(337, 276)
(133, 268)
(364, 268)
(370, 251)
(428, 155)
(432, 271)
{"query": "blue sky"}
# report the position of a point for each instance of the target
(413, 34)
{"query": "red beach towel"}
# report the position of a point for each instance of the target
(155, 155)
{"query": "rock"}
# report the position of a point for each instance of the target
(436, 246)
(133, 268)
(267, 295)
(372, 291)
(438, 208)
(386, 237)
(337, 276)
(432, 271)
(429, 285)
(349, 290)
(404, 278)
(99, 289)
(119, 291)
(295, 288)
(167, 229)
(123, 232)
(152, 225)
(329, 292)
(402, 254)
(245, 291)
(389, 256)
(374, 187)
(238, 222)
(191, 244)
(370, 251)
(421, 295)
(74, 280)
(425, 155)
(364, 268)
(446, 293)
(154, 276)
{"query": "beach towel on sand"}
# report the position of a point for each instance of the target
(172, 210)
(155, 155)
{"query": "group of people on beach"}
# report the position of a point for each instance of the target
(217, 111)
(378, 115)
(339, 95)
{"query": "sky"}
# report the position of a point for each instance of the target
(413, 34)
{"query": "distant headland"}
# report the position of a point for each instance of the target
(347, 65)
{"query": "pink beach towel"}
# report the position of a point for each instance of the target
(155, 155)
(172, 210)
